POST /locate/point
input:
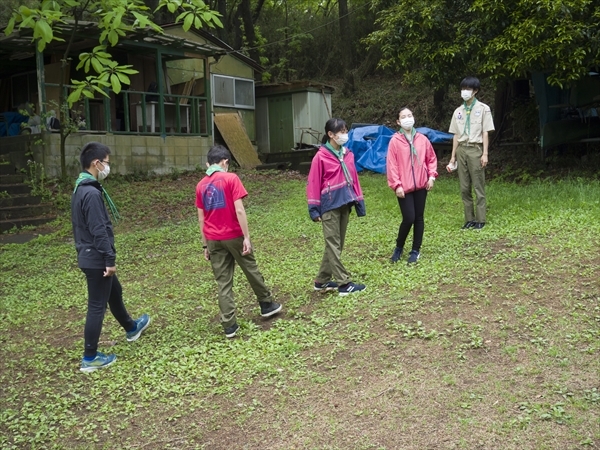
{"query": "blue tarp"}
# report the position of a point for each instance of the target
(12, 123)
(370, 144)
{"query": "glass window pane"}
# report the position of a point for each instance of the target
(244, 93)
(223, 90)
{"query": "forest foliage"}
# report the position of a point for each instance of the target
(434, 42)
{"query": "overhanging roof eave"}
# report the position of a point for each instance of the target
(22, 40)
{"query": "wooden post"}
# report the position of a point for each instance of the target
(41, 81)
(161, 90)
(208, 101)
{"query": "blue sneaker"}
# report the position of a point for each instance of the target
(232, 330)
(269, 309)
(328, 286)
(413, 257)
(397, 254)
(350, 288)
(140, 325)
(99, 362)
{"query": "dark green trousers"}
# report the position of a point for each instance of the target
(335, 223)
(472, 177)
(223, 256)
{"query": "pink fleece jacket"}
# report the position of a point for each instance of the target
(327, 188)
(410, 172)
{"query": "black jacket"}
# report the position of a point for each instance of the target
(92, 228)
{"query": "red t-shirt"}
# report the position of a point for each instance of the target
(215, 195)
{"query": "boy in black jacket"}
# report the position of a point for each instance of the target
(96, 254)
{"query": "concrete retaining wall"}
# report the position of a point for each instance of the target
(129, 154)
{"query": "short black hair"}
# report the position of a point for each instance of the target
(470, 83)
(403, 108)
(92, 151)
(217, 153)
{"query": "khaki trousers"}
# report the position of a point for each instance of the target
(223, 256)
(335, 223)
(472, 177)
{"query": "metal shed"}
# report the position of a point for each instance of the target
(291, 115)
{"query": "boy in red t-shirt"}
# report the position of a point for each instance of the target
(225, 237)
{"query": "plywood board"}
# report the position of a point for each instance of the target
(232, 129)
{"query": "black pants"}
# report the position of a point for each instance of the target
(412, 207)
(102, 291)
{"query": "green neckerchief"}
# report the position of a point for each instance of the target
(411, 139)
(111, 205)
(214, 168)
(468, 110)
(339, 154)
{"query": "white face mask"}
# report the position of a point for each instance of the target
(102, 174)
(466, 94)
(341, 138)
(407, 123)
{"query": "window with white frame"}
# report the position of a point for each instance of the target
(233, 92)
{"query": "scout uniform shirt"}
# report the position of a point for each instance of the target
(480, 121)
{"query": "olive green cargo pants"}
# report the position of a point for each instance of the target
(472, 177)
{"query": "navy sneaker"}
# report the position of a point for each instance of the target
(329, 286)
(140, 325)
(469, 224)
(268, 309)
(350, 288)
(397, 254)
(99, 362)
(232, 330)
(413, 257)
(479, 225)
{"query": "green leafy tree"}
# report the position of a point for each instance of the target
(439, 41)
(115, 18)
(559, 37)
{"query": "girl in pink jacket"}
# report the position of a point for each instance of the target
(411, 170)
(332, 190)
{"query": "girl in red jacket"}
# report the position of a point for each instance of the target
(411, 171)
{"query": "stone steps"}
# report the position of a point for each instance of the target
(24, 211)
(7, 225)
(18, 208)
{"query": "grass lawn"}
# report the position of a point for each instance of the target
(491, 342)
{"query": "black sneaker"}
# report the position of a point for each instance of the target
(329, 286)
(232, 330)
(413, 257)
(268, 309)
(469, 224)
(350, 288)
(479, 225)
(397, 254)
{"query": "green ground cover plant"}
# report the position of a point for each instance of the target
(491, 341)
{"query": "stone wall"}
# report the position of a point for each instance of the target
(129, 154)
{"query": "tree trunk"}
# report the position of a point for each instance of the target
(222, 9)
(438, 100)
(246, 13)
(345, 48)
(501, 108)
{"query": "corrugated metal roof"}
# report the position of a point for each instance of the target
(19, 45)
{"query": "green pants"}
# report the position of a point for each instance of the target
(472, 177)
(335, 223)
(223, 255)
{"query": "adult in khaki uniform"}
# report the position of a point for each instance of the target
(470, 125)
